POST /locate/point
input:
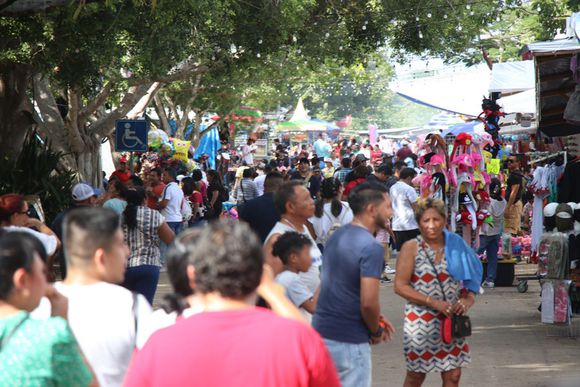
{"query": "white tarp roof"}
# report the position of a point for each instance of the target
(554, 46)
(458, 92)
(511, 77)
(524, 102)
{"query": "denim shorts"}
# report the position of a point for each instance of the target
(353, 362)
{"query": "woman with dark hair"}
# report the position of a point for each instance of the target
(185, 301)
(357, 176)
(35, 352)
(216, 195)
(439, 275)
(116, 197)
(14, 217)
(330, 212)
(144, 229)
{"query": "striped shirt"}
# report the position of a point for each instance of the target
(143, 240)
(247, 190)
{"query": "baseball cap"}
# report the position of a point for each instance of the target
(361, 157)
(123, 159)
(550, 216)
(82, 191)
(564, 217)
(327, 160)
(404, 142)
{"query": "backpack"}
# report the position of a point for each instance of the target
(336, 224)
(186, 211)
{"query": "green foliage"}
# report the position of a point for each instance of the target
(36, 171)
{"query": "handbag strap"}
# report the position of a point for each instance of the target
(435, 269)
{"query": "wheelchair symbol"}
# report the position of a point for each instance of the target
(129, 139)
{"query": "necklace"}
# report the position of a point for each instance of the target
(358, 223)
(289, 223)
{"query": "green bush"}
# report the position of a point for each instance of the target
(37, 171)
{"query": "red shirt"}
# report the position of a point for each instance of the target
(350, 185)
(123, 176)
(203, 189)
(251, 347)
(196, 197)
(157, 191)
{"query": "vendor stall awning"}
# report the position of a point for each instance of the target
(554, 47)
(458, 92)
(524, 102)
(512, 77)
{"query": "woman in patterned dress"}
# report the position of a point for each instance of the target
(420, 267)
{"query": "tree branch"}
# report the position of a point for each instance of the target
(180, 72)
(104, 125)
(172, 107)
(95, 103)
(143, 102)
(74, 135)
(51, 120)
(486, 57)
(161, 113)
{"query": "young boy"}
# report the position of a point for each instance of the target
(294, 251)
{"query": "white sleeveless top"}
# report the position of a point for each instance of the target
(311, 278)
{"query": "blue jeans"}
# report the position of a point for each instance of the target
(176, 227)
(143, 280)
(352, 361)
(490, 244)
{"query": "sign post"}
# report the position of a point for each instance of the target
(131, 135)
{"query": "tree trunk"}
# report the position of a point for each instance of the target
(195, 133)
(16, 116)
(160, 109)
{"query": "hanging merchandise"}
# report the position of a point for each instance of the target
(462, 177)
(490, 116)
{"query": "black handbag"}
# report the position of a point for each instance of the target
(455, 327)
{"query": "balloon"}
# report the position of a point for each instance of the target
(181, 149)
(156, 137)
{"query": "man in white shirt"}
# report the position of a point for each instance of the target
(105, 318)
(262, 173)
(404, 199)
(170, 203)
(248, 151)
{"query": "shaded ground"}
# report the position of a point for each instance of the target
(510, 347)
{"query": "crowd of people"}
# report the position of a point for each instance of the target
(311, 247)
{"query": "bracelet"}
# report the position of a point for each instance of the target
(378, 333)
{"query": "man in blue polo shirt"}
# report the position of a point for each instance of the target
(348, 314)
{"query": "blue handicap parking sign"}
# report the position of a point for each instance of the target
(131, 135)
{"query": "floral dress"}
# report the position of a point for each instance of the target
(424, 348)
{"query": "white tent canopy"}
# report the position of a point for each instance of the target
(458, 92)
(512, 77)
(524, 102)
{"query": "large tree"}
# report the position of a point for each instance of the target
(74, 69)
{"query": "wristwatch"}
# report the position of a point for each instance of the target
(378, 333)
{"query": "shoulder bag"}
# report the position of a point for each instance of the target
(455, 327)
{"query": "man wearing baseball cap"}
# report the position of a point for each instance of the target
(83, 195)
(122, 173)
